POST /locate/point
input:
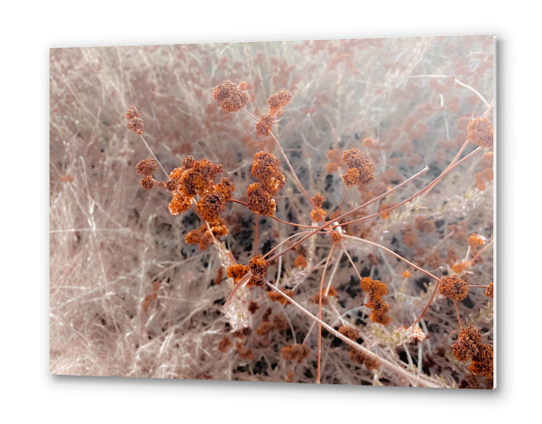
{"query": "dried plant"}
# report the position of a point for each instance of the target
(372, 278)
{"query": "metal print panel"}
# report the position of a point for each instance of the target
(304, 212)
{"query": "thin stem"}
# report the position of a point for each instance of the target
(153, 155)
(256, 235)
(457, 312)
(394, 254)
(478, 254)
(387, 364)
(284, 241)
(320, 312)
(291, 223)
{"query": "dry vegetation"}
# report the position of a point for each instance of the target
(317, 211)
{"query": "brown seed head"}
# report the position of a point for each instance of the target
(480, 132)
(146, 167)
(453, 288)
(263, 126)
(468, 343)
(147, 183)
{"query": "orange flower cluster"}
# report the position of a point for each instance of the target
(244, 354)
(229, 96)
(263, 126)
(318, 200)
(301, 262)
(265, 167)
(360, 170)
(335, 158)
(482, 362)
(196, 178)
(203, 236)
(453, 288)
(489, 290)
(410, 238)
(280, 323)
(350, 332)
(356, 355)
(136, 123)
(361, 358)
(376, 289)
(459, 267)
(278, 100)
(476, 240)
(469, 346)
(295, 352)
(480, 132)
(425, 225)
(258, 267)
(237, 272)
(277, 297)
(325, 300)
(224, 344)
(486, 174)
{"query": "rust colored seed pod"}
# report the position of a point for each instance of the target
(146, 167)
(480, 132)
(454, 288)
(467, 344)
(263, 126)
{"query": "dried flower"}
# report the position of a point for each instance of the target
(277, 297)
(480, 132)
(132, 113)
(295, 352)
(224, 344)
(467, 344)
(263, 126)
(319, 215)
(301, 262)
(280, 322)
(231, 99)
(178, 204)
(265, 328)
(146, 167)
(280, 99)
(459, 267)
(136, 125)
(226, 187)
(147, 183)
(350, 332)
(193, 237)
(259, 200)
(453, 288)
(418, 334)
(237, 272)
(476, 240)
(489, 290)
(252, 307)
(425, 225)
(482, 362)
(210, 205)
